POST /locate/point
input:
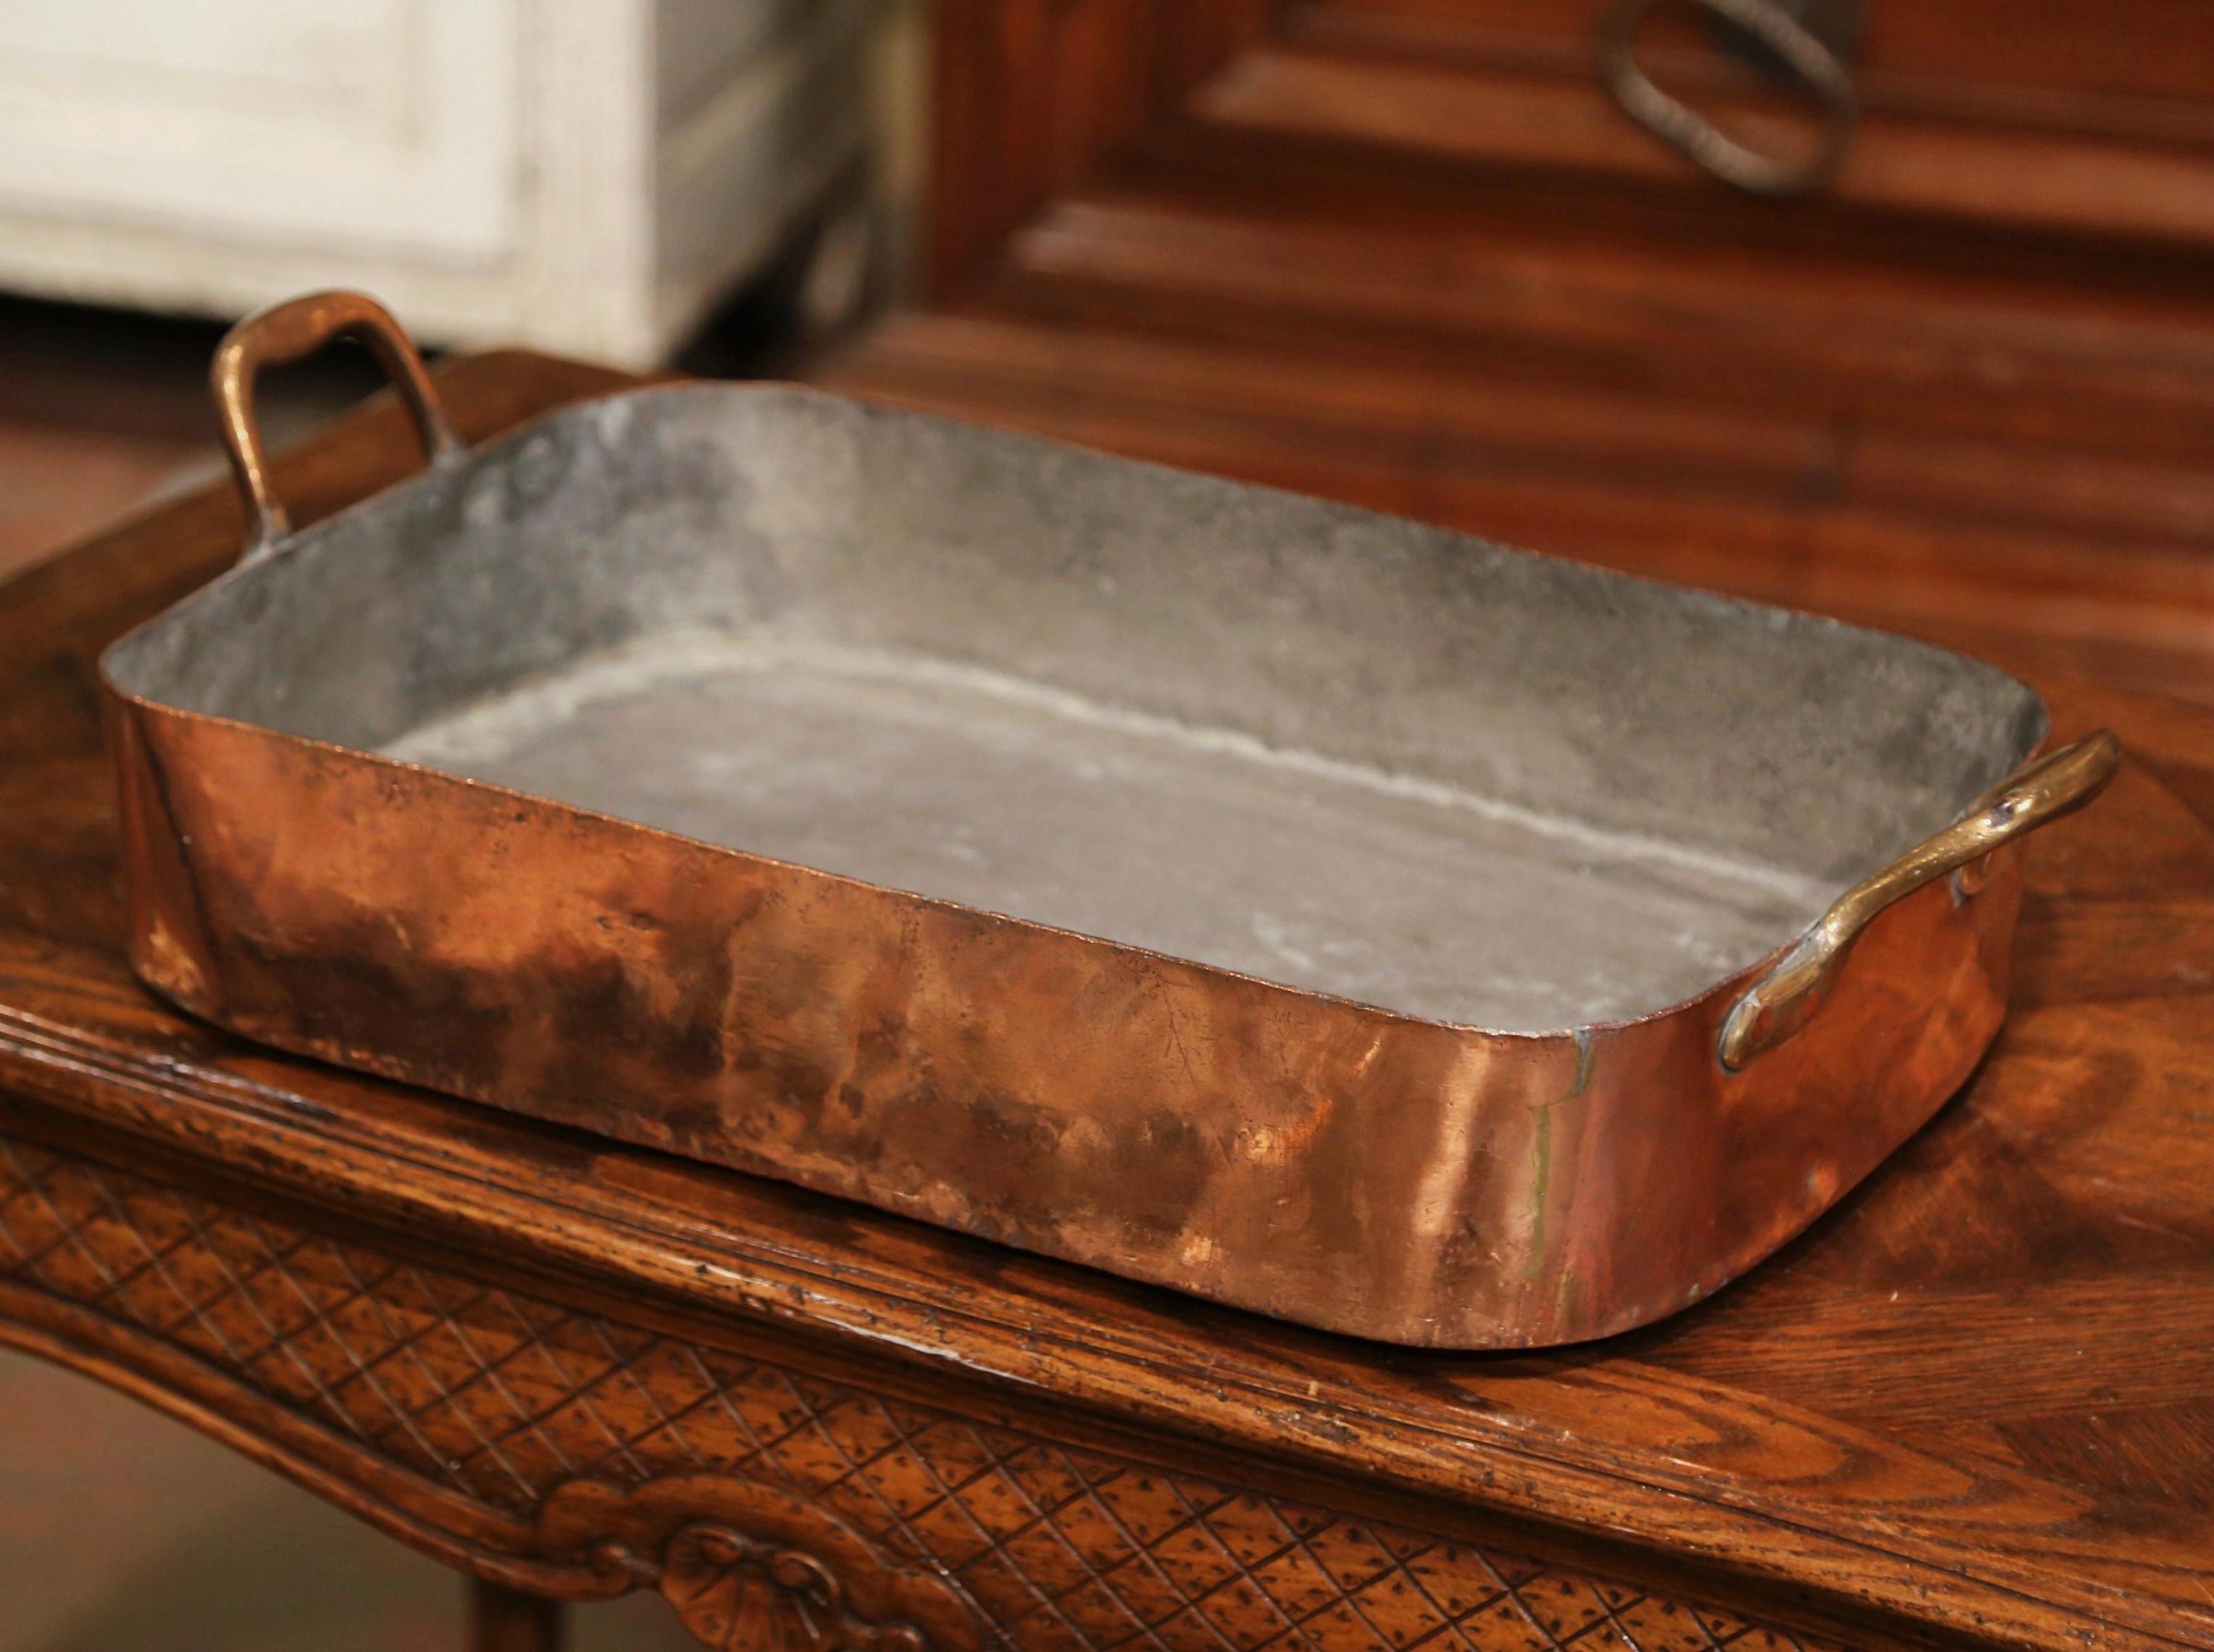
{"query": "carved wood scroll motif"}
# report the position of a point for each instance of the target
(752, 1568)
(776, 1510)
(734, 1593)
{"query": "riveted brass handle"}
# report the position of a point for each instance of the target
(286, 333)
(1783, 1000)
(1780, 33)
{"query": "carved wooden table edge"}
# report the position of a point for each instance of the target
(560, 1449)
(735, 1528)
(134, 1112)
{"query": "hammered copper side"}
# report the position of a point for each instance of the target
(1305, 1156)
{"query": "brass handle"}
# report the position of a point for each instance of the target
(286, 333)
(1779, 1004)
(1787, 41)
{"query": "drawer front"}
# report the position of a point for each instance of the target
(2153, 49)
(2091, 119)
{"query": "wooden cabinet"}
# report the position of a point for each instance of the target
(1410, 253)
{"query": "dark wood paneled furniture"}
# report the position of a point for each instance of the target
(1975, 1406)
(1409, 252)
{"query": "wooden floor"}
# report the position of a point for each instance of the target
(102, 412)
(76, 448)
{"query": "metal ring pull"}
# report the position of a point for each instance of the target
(1769, 32)
(1783, 1000)
(286, 333)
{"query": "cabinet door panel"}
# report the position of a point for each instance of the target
(377, 123)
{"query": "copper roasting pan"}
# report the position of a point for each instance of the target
(1324, 913)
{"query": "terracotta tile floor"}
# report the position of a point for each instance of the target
(121, 1530)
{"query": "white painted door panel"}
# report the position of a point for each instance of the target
(374, 123)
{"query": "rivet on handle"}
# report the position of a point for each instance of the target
(286, 333)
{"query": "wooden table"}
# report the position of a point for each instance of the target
(1974, 1406)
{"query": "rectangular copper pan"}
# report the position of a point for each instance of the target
(1314, 911)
